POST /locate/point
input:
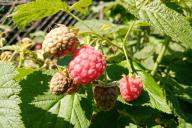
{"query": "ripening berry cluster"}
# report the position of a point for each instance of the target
(86, 66)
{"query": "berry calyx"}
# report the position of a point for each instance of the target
(105, 96)
(61, 83)
(130, 87)
(60, 42)
(87, 65)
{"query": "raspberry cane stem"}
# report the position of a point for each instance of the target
(160, 56)
(12, 56)
(108, 41)
(81, 21)
(105, 73)
(78, 19)
(124, 48)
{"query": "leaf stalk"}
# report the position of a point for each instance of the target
(103, 38)
(160, 56)
(125, 47)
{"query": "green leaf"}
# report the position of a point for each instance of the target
(143, 100)
(182, 69)
(9, 101)
(174, 103)
(23, 72)
(184, 124)
(81, 6)
(38, 36)
(132, 125)
(101, 27)
(162, 18)
(65, 60)
(105, 119)
(115, 71)
(157, 126)
(180, 90)
(11, 48)
(41, 109)
(140, 115)
(32, 11)
(176, 106)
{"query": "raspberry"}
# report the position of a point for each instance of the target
(130, 87)
(62, 83)
(87, 65)
(105, 96)
(38, 46)
(60, 42)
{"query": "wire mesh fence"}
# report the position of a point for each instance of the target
(8, 6)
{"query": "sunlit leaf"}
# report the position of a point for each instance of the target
(81, 6)
(41, 109)
(162, 18)
(9, 100)
(36, 10)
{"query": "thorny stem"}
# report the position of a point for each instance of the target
(124, 48)
(12, 56)
(3, 59)
(108, 41)
(78, 19)
(105, 73)
(20, 59)
(81, 21)
(103, 38)
(160, 56)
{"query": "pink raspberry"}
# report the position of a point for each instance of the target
(130, 87)
(37, 46)
(87, 65)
